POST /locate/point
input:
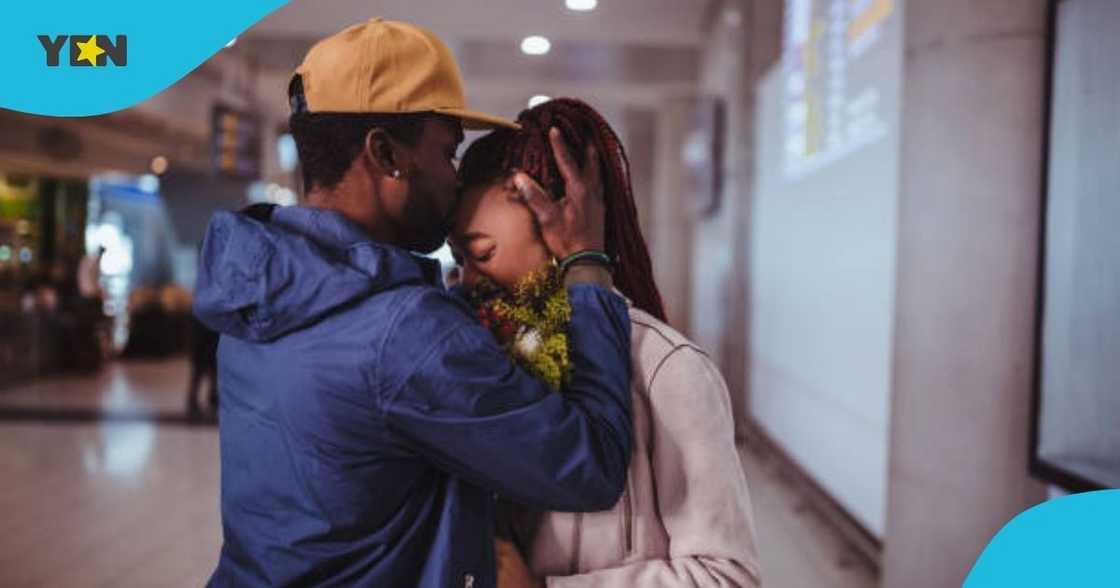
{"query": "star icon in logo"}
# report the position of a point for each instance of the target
(90, 51)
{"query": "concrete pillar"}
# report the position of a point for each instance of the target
(718, 273)
(670, 225)
(640, 139)
(763, 48)
(969, 226)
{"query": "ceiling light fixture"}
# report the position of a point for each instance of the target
(159, 165)
(582, 5)
(535, 45)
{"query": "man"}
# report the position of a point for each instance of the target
(204, 366)
(367, 420)
(89, 276)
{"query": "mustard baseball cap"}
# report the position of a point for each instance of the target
(385, 66)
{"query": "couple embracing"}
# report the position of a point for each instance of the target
(538, 424)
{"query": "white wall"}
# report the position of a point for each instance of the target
(822, 281)
(969, 225)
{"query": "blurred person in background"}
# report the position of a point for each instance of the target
(685, 517)
(77, 317)
(89, 276)
(203, 349)
(39, 303)
(145, 323)
(90, 306)
(204, 366)
(367, 419)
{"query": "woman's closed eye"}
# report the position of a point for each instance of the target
(483, 254)
(475, 246)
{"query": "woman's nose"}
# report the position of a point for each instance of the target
(468, 275)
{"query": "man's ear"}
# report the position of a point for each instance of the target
(384, 152)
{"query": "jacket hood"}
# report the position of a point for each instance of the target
(266, 274)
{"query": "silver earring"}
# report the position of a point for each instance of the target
(396, 173)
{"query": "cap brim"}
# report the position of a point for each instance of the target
(477, 121)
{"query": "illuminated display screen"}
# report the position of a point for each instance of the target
(833, 85)
(235, 143)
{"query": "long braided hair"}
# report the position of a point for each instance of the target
(497, 154)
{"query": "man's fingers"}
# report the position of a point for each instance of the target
(568, 168)
(535, 197)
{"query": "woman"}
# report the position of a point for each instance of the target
(685, 516)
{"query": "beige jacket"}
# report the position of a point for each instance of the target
(685, 517)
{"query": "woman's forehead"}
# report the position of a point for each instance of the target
(485, 205)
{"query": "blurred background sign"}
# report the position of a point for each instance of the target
(236, 142)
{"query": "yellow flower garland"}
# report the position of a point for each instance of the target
(531, 323)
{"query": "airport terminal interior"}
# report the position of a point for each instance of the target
(889, 223)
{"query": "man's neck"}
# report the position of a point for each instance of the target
(359, 211)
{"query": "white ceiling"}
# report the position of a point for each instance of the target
(626, 53)
(648, 22)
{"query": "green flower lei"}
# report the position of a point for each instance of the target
(530, 323)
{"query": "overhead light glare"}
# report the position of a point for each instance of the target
(582, 5)
(535, 45)
(159, 165)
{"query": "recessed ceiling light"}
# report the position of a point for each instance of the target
(535, 45)
(159, 164)
(538, 100)
(582, 5)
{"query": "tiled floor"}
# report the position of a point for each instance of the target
(134, 389)
(797, 548)
(120, 502)
(134, 502)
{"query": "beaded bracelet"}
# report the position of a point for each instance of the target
(597, 257)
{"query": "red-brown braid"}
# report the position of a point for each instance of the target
(529, 150)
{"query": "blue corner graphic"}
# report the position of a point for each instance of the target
(1071, 541)
(140, 49)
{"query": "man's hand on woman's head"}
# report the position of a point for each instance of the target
(576, 222)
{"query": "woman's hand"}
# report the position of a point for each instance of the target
(576, 222)
(513, 571)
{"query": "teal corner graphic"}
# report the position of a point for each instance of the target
(71, 58)
(1069, 541)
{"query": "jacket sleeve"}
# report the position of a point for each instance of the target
(467, 407)
(701, 493)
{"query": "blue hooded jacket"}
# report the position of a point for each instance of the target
(367, 419)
